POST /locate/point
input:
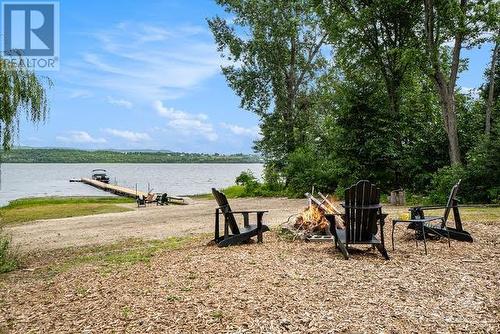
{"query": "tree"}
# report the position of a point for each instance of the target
(21, 91)
(376, 36)
(275, 53)
(458, 22)
(491, 84)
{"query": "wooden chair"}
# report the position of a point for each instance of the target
(162, 199)
(143, 201)
(424, 226)
(237, 235)
(362, 213)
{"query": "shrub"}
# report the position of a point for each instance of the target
(246, 178)
(8, 260)
(442, 182)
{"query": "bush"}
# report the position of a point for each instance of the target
(246, 178)
(8, 261)
(307, 169)
(480, 176)
(247, 185)
(442, 182)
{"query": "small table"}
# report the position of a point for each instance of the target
(419, 226)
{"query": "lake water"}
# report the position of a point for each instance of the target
(34, 180)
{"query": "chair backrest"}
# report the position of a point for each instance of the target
(226, 210)
(452, 200)
(362, 206)
(164, 198)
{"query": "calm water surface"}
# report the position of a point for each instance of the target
(32, 180)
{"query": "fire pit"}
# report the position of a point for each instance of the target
(311, 224)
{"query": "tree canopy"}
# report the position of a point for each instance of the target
(349, 89)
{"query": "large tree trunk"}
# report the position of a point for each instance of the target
(489, 103)
(447, 101)
(452, 130)
(445, 85)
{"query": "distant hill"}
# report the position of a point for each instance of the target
(58, 155)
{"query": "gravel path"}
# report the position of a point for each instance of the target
(145, 223)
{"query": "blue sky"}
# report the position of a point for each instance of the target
(146, 75)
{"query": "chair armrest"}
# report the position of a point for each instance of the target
(432, 207)
(382, 215)
(249, 211)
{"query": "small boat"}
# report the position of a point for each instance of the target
(100, 175)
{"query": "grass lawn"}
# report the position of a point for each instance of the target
(29, 209)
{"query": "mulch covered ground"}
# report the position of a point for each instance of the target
(276, 287)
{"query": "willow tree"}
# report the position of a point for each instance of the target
(274, 52)
(21, 93)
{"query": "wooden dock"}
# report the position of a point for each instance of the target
(126, 192)
(121, 191)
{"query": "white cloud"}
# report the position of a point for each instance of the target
(79, 93)
(473, 92)
(253, 131)
(120, 102)
(128, 135)
(147, 62)
(186, 124)
(80, 137)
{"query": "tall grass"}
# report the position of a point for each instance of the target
(8, 260)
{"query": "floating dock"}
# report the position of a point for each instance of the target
(121, 191)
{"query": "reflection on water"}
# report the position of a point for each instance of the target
(32, 180)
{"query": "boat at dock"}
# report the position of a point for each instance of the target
(100, 175)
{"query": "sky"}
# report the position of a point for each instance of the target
(146, 75)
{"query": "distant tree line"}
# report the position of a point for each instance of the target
(34, 155)
(352, 89)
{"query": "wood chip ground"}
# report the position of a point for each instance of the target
(275, 287)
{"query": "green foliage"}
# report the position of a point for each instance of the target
(383, 107)
(8, 260)
(20, 91)
(33, 155)
(275, 53)
(247, 185)
(444, 180)
(246, 178)
(480, 176)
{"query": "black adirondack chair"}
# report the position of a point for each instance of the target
(425, 226)
(162, 199)
(238, 235)
(363, 213)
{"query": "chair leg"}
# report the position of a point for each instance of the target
(381, 249)
(425, 240)
(392, 236)
(343, 249)
(449, 243)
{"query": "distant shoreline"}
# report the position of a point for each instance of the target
(74, 156)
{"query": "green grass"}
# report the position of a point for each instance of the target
(239, 191)
(30, 209)
(120, 254)
(8, 260)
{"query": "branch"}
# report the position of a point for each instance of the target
(457, 48)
